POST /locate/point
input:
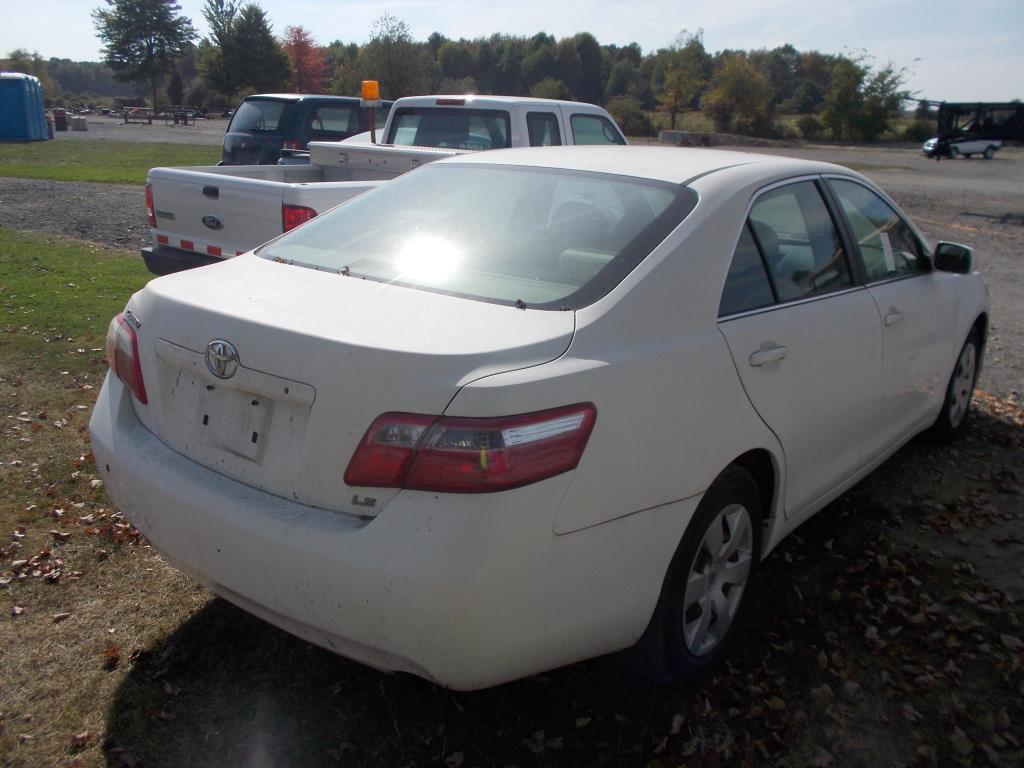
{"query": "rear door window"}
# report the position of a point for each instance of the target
(450, 128)
(799, 242)
(543, 129)
(329, 121)
(259, 116)
(594, 129)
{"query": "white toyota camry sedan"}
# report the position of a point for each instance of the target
(518, 409)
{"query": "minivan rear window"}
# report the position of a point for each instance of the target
(532, 237)
(258, 116)
(450, 128)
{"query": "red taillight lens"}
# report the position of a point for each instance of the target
(465, 455)
(123, 356)
(150, 207)
(293, 215)
(292, 144)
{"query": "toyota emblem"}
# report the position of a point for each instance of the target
(222, 358)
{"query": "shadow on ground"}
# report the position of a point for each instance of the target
(864, 647)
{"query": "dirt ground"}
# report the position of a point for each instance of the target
(886, 631)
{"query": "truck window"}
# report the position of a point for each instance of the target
(543, 129)
(450, 128)
(258, 115)
(333, 119)
(594, 129)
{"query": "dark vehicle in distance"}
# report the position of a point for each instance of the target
(265, 124)
(976, 128)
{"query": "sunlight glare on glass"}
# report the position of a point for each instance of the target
(427, 258)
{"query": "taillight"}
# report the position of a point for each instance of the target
(293, 215)
(123, 356)
(150, 207)
(292, 144)
(470, 455)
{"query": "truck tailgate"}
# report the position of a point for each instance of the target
(214, 213)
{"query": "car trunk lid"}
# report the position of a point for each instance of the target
(319, 357)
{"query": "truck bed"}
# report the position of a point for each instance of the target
(213, 212)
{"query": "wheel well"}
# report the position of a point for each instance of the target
(761, 467)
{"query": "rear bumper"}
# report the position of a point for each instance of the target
(164, 260)
(466, 590)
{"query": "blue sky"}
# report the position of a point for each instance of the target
(953, 50)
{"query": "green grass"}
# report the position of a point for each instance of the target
(112, 162)
(57, 295)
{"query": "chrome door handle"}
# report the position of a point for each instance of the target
(893, 317)
(765, 356)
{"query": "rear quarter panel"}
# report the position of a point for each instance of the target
(671, 413)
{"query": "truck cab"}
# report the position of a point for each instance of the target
(497, 122)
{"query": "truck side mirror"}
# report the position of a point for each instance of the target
(953, 257)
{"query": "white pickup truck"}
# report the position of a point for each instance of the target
(199, 215)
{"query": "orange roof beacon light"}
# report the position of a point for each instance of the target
(370, 99)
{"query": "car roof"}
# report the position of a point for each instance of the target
(677, 165)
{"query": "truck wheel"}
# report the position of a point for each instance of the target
(705, 591)
(989, 153)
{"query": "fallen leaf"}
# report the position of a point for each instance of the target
(57, 617)
(823, 758)
(961, 743)
(454, 760)
(677, 724)
(582, 722)
(1011, 642)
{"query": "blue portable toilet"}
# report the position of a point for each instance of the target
(22, 111)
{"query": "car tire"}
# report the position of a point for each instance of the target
(953, 152)
(967, 156)
(989, 153)
(704, 595)
(959, 391)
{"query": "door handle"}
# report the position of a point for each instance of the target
(893, 316)
(765, 356)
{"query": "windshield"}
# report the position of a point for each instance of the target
(258, 115)
(450, 128)
(543, 238)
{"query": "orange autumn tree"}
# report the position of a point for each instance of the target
(307, 60)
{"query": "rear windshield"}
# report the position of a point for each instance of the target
(543, 238)
(258, 115)
(450, 128)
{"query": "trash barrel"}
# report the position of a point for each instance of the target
(60, 119)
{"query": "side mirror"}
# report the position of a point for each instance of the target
(952, 257)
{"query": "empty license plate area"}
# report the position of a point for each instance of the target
(234, 421)
(241, 425)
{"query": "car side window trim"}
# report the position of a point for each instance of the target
(764, 263)
(793, 303)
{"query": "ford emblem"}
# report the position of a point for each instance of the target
(222, 358)
(212, 222)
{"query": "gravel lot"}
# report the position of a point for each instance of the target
(976, 202)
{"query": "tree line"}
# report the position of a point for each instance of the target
(150, 43)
